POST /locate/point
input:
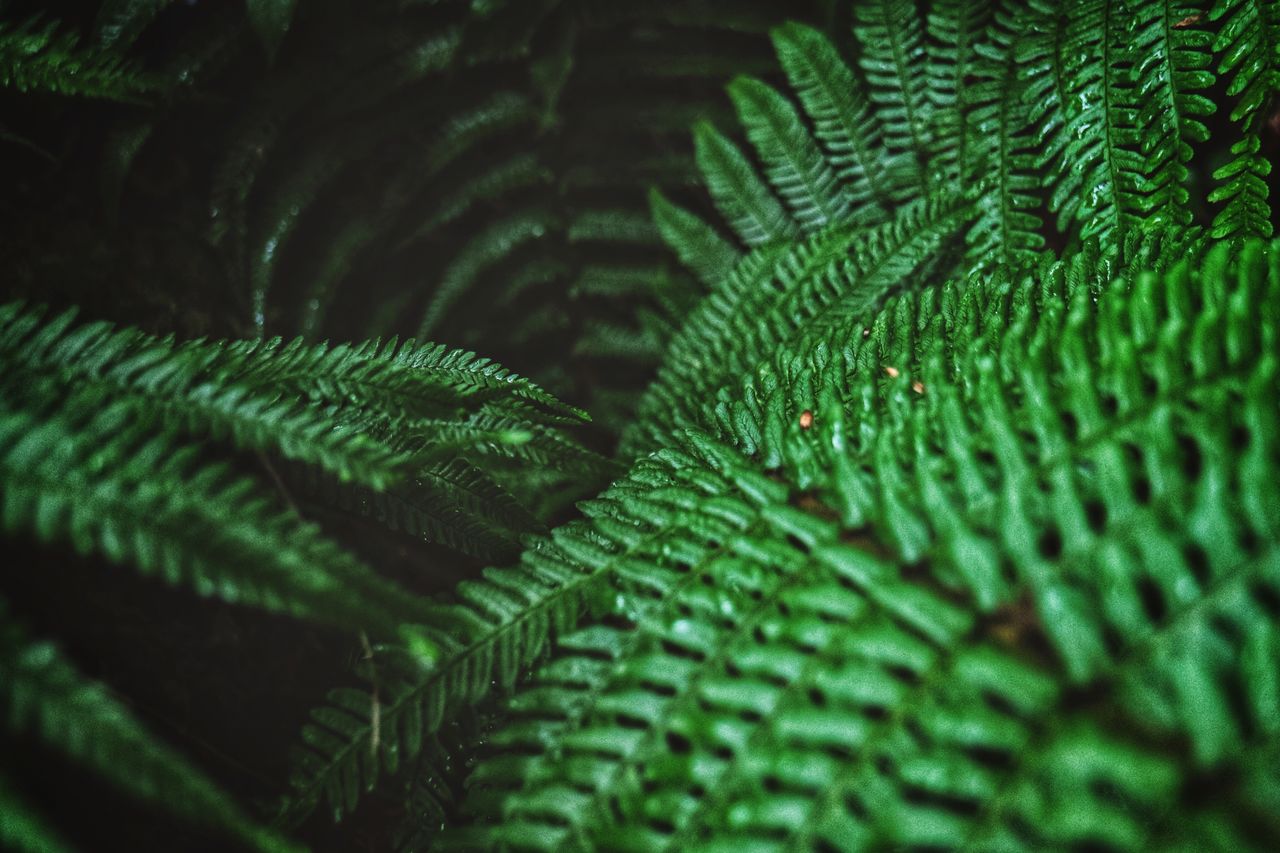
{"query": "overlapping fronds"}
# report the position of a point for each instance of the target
(85, 473)
(418, 436)
(952, 520)
(1092, 112)
(1063, 488)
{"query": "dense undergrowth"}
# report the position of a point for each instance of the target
(832, 425)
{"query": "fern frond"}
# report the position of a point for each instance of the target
(44, 697)
(774, 295)
(500, 625)
(38, 56)
(887, 643)
(1008, 230)
(1247, 212)
(955, 31)
(486, 249)
(891, 38)
(21, 829)
(1174, 68)
(793, 164)
(89, 475)
(1248, 42)
(841, 116)
(181, 387)
(744, 200)
(698, 246)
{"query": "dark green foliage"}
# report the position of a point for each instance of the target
(105, 442)
(45, 696)
(35, 56)
(874, 630)
(951, 519)
(947, 542)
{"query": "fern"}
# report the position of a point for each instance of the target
(21, 829)
(743, 198)
(86, 475)
(376, 417)
(37, 56)
(892, 38)
(785, 683)
(1247, 40)
(795, 166)
(840, 114)
(951, 516)
(45, 697)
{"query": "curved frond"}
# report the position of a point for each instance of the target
(88, 475)
(44, 697)
(841, 116)
(888, 642)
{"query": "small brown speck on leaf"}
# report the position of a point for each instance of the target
(917, 386)
(1187, 21)
(806, 419)
(892, 371)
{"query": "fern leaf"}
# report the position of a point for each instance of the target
(1248, 42)
(488, 248)
(794, 166)
(892, 42)
(695, 243)
(743, 198)
(37, 56)
(172, 386)
(1175, 68)
(88, 476)
(774, 296)
(1008, 227)
(45, 697)
(792, 676)
(21, 829)
(1244, 189)
(841, 115)
(955, 29)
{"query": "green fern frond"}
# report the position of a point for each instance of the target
(38, 56)
(891, 36)
(841, 116)
(743, 198)
(486, 249)
(1008, 230)
(788, 681)
(43, 696)
(793, 164)
(182, 387)
(21, 829)
(500, 625)
(87, 474)
(955, 31)
(1248, 44)
(774, 295)
(1247, 212)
